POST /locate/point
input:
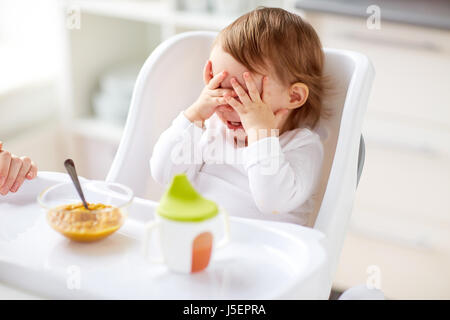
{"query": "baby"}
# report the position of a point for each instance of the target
(14, 170)
(247, 141)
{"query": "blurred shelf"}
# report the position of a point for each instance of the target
(111, 32)
(97, 129)
(158, 12)
(23, 80)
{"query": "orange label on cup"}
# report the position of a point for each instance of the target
(201, 251)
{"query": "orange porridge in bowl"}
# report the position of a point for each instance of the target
(79, 224)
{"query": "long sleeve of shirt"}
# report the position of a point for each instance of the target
(282, 179)
(272, 179)
(177, 151)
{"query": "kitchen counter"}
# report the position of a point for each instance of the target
(431, 13)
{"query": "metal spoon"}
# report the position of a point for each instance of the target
(70, 167)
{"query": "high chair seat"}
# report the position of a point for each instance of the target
(171, 79)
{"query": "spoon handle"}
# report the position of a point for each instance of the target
(70, 167)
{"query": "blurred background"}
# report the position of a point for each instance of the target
(67, 70)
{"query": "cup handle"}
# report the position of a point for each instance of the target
(148, 229)
(226, 225)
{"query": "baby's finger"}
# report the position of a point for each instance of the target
(235, 104)
(207, 72)
(220, 100)
(1, 145)
(222, 92)
(14, 169)
(251, 86)
(26, 166)
(5, 162)
(33, 171)
(240, 91)
(265, 88)
(217, 80)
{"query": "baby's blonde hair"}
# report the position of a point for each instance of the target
(275, 40)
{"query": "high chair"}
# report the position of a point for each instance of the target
(171, 79)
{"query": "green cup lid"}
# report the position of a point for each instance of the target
(182, 202)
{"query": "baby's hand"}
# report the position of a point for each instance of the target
(256, 115)
(14, 171)
(210, 97)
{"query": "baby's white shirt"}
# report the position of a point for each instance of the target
(274, 178)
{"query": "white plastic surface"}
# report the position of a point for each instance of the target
(264, 260)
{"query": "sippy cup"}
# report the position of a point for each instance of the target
(189, 227)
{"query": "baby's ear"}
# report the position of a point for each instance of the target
(207, 72)
(298, 94)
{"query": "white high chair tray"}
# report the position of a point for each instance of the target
(264, 260)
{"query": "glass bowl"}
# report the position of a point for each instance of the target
(107, 202)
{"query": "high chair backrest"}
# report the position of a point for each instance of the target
(171, 79)
(350, 76)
